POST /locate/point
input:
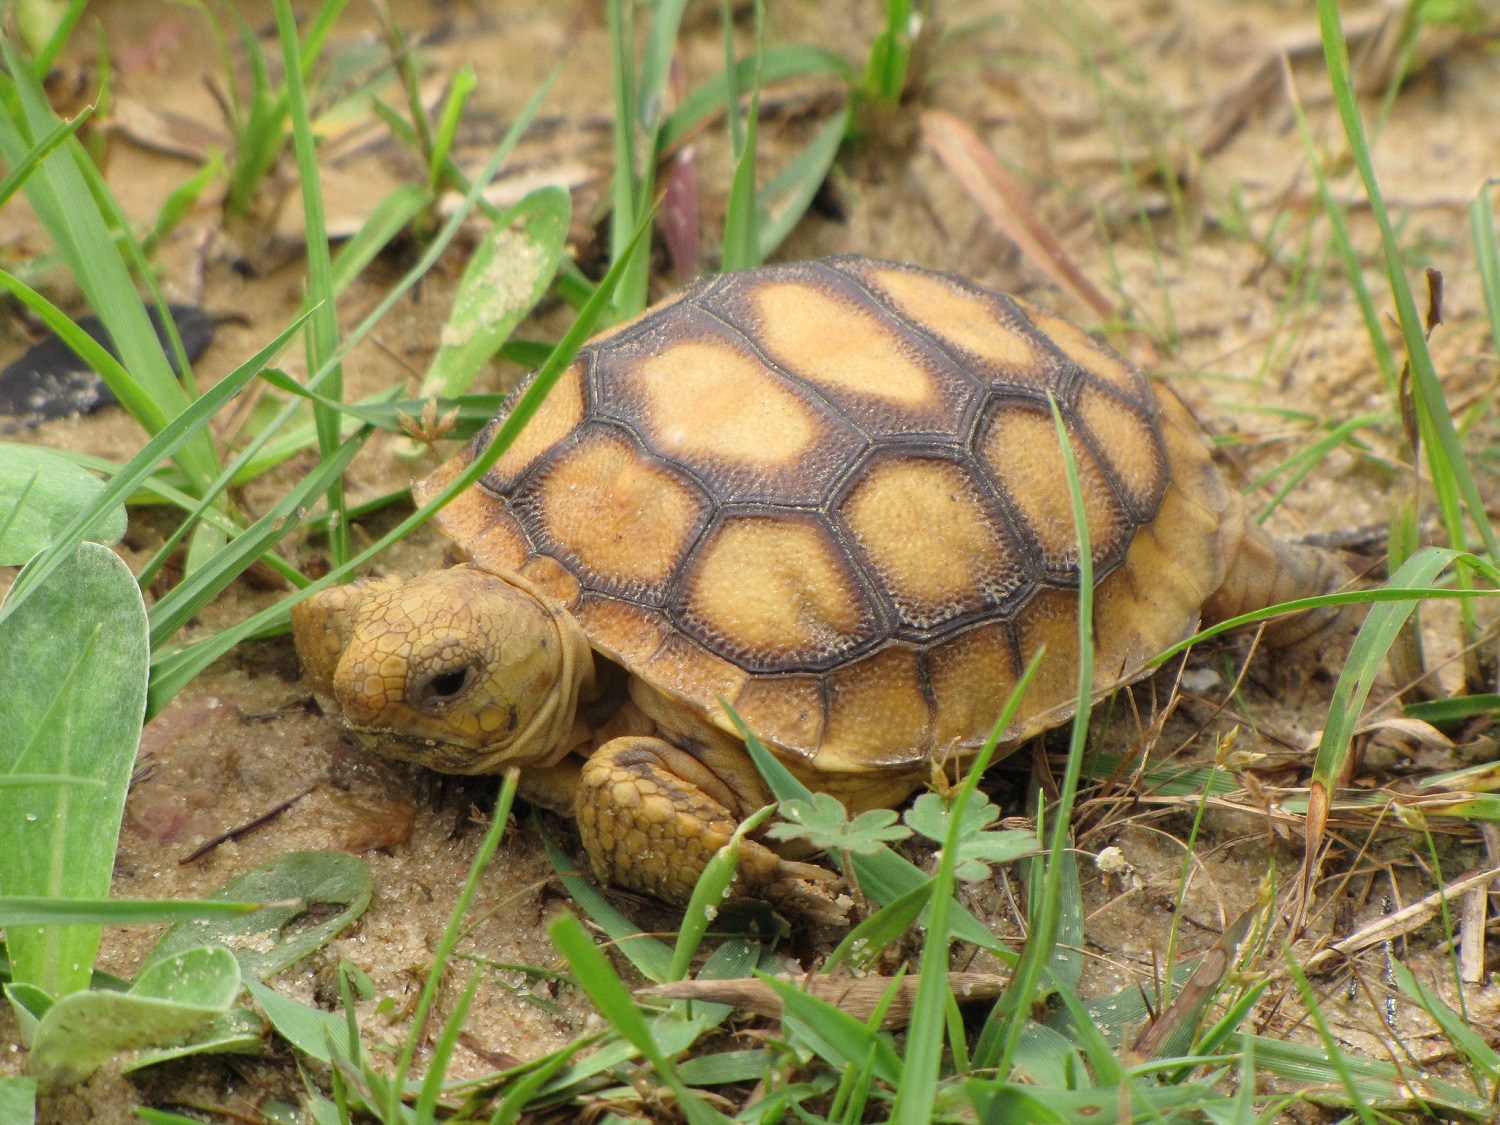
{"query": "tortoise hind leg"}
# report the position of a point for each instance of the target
(1264, 571)
(652, 815)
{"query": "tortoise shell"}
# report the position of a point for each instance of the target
(832, 494)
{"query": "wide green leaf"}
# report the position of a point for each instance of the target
(238, 1031)
(505, 278)
(168, 1002)
(18, 1100)
(41, 493)
(73, 661)
(310, 1030)
(262, 942)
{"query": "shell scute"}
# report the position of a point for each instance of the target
(831, 338)
(774, 592)
(985, 332)
(966, 560)
(703, 399)
(621, 521)
(1019, 446)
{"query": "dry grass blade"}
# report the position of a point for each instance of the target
(990, 186)
(1183, 1014)
(1404, 921)
(1260, 81)
(858, 996)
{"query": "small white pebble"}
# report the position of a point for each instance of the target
(1199, 680)
(1112, 861)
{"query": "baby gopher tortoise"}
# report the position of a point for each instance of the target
(832, 494)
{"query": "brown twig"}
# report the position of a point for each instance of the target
(243, 830)
(1403, 921)
(1003, 202)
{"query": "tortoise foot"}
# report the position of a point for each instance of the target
(652, 816)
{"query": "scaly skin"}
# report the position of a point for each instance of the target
(651, 814)
(648, 828)
(459, 670)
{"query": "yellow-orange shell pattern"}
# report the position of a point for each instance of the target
(833, 493)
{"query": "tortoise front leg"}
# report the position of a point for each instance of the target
(651, 816)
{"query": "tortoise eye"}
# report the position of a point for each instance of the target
(441, 689)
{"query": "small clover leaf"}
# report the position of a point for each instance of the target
(824, 823)
(929, 815)
(977, 848)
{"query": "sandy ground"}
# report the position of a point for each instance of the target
(1061, 102)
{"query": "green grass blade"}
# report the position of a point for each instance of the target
(615, 1004)
(142, 407)
(924, 1044)
(1454, 1025)
(449, 939)
(1451, 477)
(742, 213)
(1306, 460)
(59, 38)
(787, 197)
(390, 216)
(639, 99)
(998, 1048)
(425, 1109)
(656, 65)
(47, 910)
(198, 588)
(277, 452)
(1374, 596)
(709, 891)
(650, 956)
(1366, 658)
(124, 483)
(60, 194)
(306, 1028)
(1486, 256)
(1376, 1083)
(39, 152)
(322, 328)
(1454, 709)
(626, 191)
(216, 571)
(514, 1103)
(885, 72)
(1331, 1045)
(1354, 272)
(460, 86)
(256, 129)
(179, 203)
(880, 929)
(838, 1037)
(778, 62)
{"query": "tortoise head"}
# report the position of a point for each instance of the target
(460, 670)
